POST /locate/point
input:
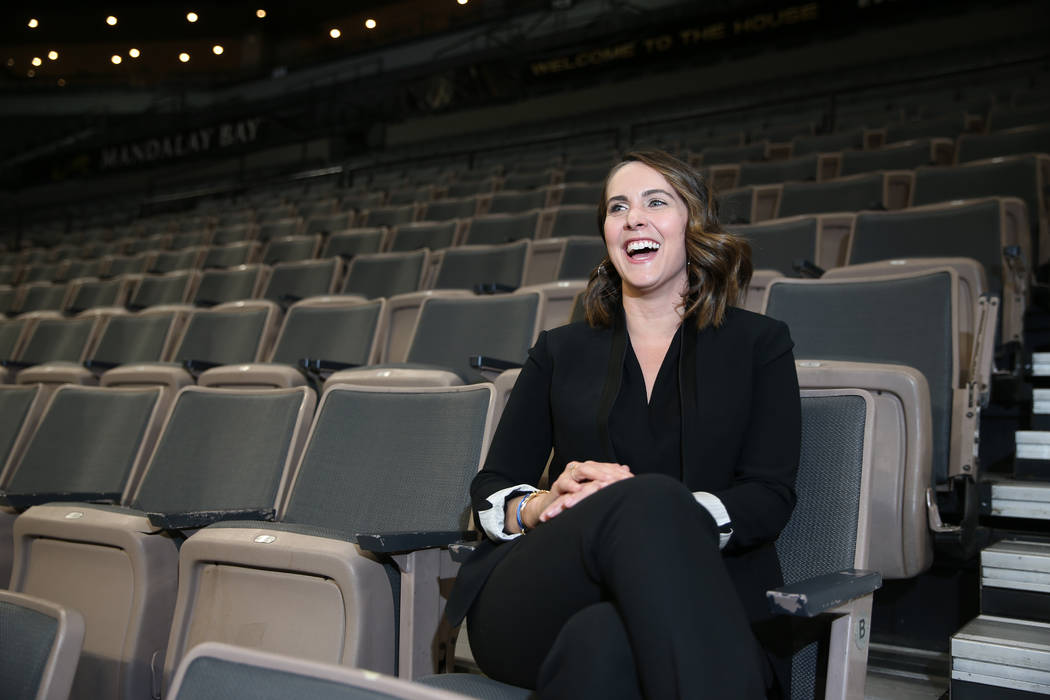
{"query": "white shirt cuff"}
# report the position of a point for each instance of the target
(493, 520)
(718, 511)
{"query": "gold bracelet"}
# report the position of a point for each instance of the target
(521, 508)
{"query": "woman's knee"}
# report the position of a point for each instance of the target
(659, 502)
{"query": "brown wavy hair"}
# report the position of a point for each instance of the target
(719, 263)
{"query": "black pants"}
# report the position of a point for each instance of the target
(622, 596)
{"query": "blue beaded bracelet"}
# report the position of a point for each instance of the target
(521, 507)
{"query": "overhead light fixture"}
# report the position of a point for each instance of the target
(462, 2)
(370, 23)
(334, 33)
(61, 82)
(260, 13)
(116, 59)
(33, 23)
(53, 55)
(184, 57)
(134, 53)
(111, 21)
(30, 73)
(36, 61)
(191, 16)
(10, 63)
(217, 50)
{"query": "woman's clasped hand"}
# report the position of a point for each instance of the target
(578, 481)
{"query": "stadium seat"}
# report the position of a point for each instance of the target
(231, 284)
(329, 223)
(44, 296)
(492, 229)
(342, 537)
(386, 274)
(222, 454)
(466, 266)
(40, 648)
(1011, 142)
(905, 155)
(176, 287)
(516, 201)
(291, 249)
(188, 258)
(781, 244)
(291, 281)
(233, 254)
(455, 208)
(878, 191)
(224, 235)
(424, 234)
(389, 216)
(569, 220)
(564, 259)
(351, 242)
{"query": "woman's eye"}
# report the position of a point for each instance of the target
(616, 207)
(656, 202)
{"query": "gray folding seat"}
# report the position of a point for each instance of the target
(324, 206)
(468, 188)
(828, 585)
(233, 254)
(576, 174)
(9, 298)
(981, 229)
(231, 284)
(949, 126)
(911, 320)
(41, 272)
(501, 228)
(347, 587)
(1024, 139)
(517, 201)
(20, 409)
(386, 274)
(389, 216)
(59, 340)
(117, 265)
(748, 204)
(572, 220)
(291, 249)
(424, 234)
(1024, 177)
(319, 335)
(278, 228)
(80, 268)
(8, 274)
(412, 194)
(190, 239)
(89, 293)
(354, 241)
(905, 155)
(580, 193)
(291, 281)
(886, 190)
(150, 243)
(175, 287)
(447, 209)
(467, 266)
(450, 330)
(1011, 118)
(716, 155)
(222, 454)
(779, 244)
(822, 143)
(44, 296)
(189, 258)
(361, 201)
(213, 670)
(40, 649)
(233, 233)
(530, 179)
(804, 168)
(329, 223)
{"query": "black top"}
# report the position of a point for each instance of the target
(647, 433)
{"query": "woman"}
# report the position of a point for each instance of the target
(675, 426)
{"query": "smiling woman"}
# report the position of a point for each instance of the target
(673, 419)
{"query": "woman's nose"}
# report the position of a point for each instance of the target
(634, 218)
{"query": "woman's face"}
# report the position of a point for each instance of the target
(645, 223)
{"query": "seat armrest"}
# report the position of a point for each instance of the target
(819, 594)
(492, 363)
(23, 501)
(99, 366)
(493, 288)
(193, 520)
(324, 366)
(391, 542)
(461, 551)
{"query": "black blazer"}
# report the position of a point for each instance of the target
(741, 430)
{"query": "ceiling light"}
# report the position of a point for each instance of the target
(370, 23)
(260, 13)
(36, 61)
(184, 57)
(134, 53)
(61, 82)
(30, 73)
(191, 16)
(111, 21)
(53, 55)
(10, 63)
(334, 33)
(116, 59)
(462, 2)
(33, 23)
(217, 50)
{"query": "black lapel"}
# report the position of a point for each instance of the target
(687, 394)
(611, 387)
